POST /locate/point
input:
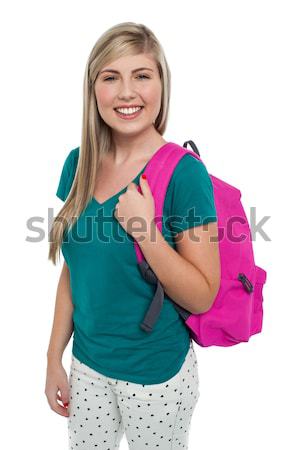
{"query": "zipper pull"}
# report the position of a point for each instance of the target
(246, 283)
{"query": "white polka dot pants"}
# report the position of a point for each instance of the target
(152, 416)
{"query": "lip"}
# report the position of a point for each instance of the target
(129, 117)
(129, 106)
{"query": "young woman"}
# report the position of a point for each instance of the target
(123, 379)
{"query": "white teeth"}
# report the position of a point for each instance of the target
(128, 110)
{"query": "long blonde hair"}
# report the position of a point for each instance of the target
(127, 38)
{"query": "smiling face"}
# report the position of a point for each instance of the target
(130, 81)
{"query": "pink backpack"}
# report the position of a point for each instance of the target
(237, 311)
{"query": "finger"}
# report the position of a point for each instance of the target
(54, 405)
(63, 399)
(132, 186)
(145, 187)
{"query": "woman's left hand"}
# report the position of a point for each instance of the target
(135, 211)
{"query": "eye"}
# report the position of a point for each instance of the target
(140, 75)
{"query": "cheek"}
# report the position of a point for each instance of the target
(152, 94)
(104, 96)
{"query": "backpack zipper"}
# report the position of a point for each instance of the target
(246, 283)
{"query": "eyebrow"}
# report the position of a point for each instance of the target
(135, 70)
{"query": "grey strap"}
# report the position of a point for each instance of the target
(154, 310)
(156, 305)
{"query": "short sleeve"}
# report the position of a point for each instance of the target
(192, 195)
(67, 174)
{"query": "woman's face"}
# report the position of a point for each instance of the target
(130, 81)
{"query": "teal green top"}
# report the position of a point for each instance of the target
(109, 294)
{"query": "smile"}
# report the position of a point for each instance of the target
(127, 115)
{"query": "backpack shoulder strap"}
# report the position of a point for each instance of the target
(158, 172)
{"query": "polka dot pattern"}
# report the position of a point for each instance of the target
(152, 416)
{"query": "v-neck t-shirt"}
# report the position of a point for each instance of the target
(110, 296)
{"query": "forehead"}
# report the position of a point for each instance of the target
(129, 63)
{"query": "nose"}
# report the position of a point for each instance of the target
(126, 90)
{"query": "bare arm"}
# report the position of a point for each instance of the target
(62, 329)
(190, 275)
(57, 389)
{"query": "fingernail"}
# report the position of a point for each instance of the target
(143, 176)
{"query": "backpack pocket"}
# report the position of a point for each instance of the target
(228, 321)
(236, 314)
(258, 299)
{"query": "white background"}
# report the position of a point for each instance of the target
(235, 75)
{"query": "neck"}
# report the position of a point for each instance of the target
(132, 148)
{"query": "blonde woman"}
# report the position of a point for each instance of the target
(122, 379)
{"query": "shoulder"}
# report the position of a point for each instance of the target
(70, 162)
(190, 194)
(190, 171)
(67, 174)
(72, 158)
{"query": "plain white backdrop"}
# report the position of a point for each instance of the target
(235, 74)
